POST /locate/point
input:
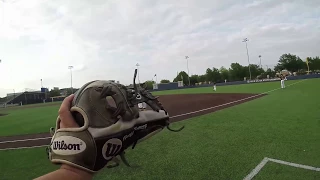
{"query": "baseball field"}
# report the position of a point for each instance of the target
(252, 131)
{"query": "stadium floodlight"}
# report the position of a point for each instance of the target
(246, 40)
(71, 67)
(187, 57)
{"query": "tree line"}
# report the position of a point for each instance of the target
(237, 72)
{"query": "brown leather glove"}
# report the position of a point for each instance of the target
(109, 122)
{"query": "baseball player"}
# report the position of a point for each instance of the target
(214, 86)
(283, 78)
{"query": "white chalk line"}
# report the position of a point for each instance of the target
(256, 170)
(184, 114)
(294, 164)
(23, 147)
(265, 160)
(22, 140)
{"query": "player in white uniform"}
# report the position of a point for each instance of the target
(283, 78)
(214, 86)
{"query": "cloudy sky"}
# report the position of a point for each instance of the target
(39, 39)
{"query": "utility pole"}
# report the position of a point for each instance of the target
(187, 57)
(138, 72)
(260, 61)
(71, 67)
(245, 40)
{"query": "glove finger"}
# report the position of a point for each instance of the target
(106, 91)
(67, 120)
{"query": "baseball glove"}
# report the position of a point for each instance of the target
(106, 129)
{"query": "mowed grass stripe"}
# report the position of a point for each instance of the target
(226, 144)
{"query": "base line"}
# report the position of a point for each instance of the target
(24, 147)
(265, 160)
(184, 114)
(232, 102)
(256, 170)
(22, 140)
(294, 164)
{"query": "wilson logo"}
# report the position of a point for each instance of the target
(68, 145)
(111, 148)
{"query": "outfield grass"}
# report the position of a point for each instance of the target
(226, 144)
(40, 119)
(28, 121)
(242, 88)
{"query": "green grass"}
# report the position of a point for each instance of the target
(242, 88)
(28, 121)
(38, 120)
(226, 144)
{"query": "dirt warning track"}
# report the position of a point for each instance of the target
(179, 107)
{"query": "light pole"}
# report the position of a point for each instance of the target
(41, 83)
(138, 72)
(14, 94)
(245, 40)
(187, 57)
(71, 67)
(260, 61)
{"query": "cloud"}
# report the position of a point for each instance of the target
(105, 39)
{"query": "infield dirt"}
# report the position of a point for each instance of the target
(179, 107)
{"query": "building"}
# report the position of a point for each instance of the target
(23, 98)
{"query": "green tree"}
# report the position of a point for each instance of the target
(209, 75)
(224, 73)
(194, 79)
(148, 85)
(291, 63)
(164, 81)
(216, 75)
(182, 76)
(271, 73)
(255, 71)
(202, 78)
(314, 63)
(237, 72)
(54, 92)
